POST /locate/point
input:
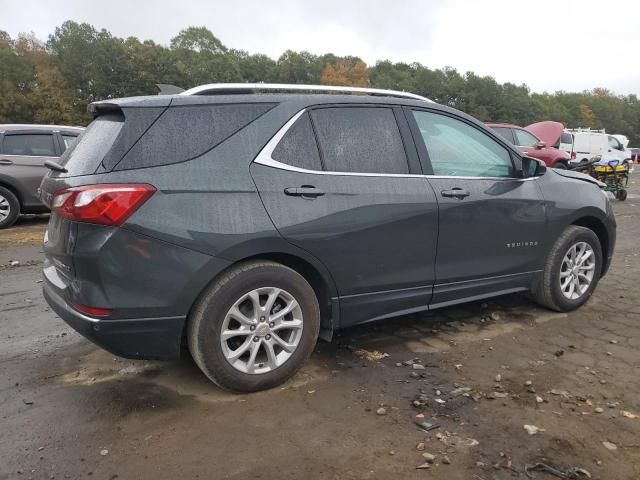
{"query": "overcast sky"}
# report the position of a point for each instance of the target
(550, 45)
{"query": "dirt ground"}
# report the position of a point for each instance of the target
(71, 410)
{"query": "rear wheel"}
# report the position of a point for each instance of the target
(254, 327)
(9, 208)
(572, 270)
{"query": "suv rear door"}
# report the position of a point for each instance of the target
(491, 224)
(354, 198)
(22, 157)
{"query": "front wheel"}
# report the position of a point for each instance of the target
(9, 208)
(621, 194)
(254, 327)
(572, 270)
(560, 166)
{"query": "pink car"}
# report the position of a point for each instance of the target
(536, 141)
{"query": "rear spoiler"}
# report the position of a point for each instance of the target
(167, 89)
(101, 108)
(115, 105)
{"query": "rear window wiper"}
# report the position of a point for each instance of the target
(56, 167)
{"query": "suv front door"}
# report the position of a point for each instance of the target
(492, 223)
(352, 200)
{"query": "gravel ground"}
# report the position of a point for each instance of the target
(480, 373)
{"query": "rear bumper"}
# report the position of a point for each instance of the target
(137, 338)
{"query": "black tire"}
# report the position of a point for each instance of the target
(206, 320)
(12, 204)
(621, 195)
(560, 165)
(547, 291)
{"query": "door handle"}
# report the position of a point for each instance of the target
(4, 161)
(458, 193)
(305, 191)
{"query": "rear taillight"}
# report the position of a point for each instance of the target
(93, 311)
(573, 155)
(108, 204)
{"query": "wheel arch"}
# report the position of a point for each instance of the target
(312, 271)
(598, 227)
(9, 186)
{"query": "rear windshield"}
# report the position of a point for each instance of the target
(84, 155)
(566, 138)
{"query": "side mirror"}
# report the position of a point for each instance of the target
(540, 145)
(532, 167)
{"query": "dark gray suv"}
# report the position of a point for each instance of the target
(23, 151)
(250, 224)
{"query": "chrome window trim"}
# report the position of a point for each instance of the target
(265, 158)
(249, 87)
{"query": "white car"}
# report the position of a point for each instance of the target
(588, 144)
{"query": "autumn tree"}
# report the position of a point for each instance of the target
(53, 82)
(587, 118)
(346, 72)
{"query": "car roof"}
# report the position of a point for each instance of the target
(7, 127)
(297, 101)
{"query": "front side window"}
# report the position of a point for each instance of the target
(525, 139)
(360, 139)
(614, 143)
(35, 145)
(457, 149)
(298, 147)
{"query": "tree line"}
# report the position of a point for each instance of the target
(53, 81)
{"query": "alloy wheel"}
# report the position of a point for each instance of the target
(261, 330)
(5, 208)
(577, 269)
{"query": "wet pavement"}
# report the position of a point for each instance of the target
(71, 410)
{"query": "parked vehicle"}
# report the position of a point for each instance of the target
(635, 154)
(588, 144)
(253, 223)
(531, 144)
(23, 151)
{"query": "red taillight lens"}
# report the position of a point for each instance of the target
(109, 204)
(573, 155)
(93, 311)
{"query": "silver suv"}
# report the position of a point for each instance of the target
(23, 151)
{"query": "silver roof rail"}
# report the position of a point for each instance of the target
(233, 88)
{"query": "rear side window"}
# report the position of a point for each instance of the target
(525, 139)
(85, 154)
(35, 145)
(298, 147)
(505, 133)
(360, 139)
(184, 133)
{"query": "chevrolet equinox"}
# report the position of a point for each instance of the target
(251, 220)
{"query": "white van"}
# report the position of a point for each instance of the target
(590, 143)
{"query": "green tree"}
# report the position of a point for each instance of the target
(197, 39)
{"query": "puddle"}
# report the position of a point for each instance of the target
(181, 377)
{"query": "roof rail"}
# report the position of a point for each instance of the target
(585, 130)
(239, 88)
